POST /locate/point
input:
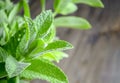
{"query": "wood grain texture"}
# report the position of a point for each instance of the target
(96, 54)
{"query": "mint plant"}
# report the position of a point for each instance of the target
(28, 46)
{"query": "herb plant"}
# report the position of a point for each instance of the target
(28, 46)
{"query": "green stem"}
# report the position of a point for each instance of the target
(43, 2)
(14, 80)
(54, 14)
(26, 8)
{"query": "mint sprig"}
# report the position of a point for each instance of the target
(29, 46)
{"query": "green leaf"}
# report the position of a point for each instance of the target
(38, 43)
(51, 35)
(54, 56)
(3, 55)
(43, 22)
(49, 56)
(36, 46)
(56, 45)
(14, 41)
(32, 29)
(24, 44)
(13, 67)
(13, 28)
(13, 12)
(72, 22)
(3, 72)
(28, 38)
(8, 6)
(69, 9)
(3, 17)
(45, 70)
(94, 3)
(60, 4)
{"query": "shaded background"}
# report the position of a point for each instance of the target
(96, 54)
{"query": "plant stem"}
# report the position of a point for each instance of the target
(54, 14)
(13, 80)
(26, 8)
(17, 80)
(43, 2)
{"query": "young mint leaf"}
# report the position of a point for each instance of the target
(54, 56)
(58, 45)
(3, 72)
(43, 22)
(55, 45)
(70, 8)
(60, 4)
(13, 12)
(38, 43)
(13, 28)
(8, 6)
(45, 70)
(72, 22)
(36, 46)
(51, 35)
(28, 38)
(24, 43)
(13, 67)
(3, 55)
(14, 41)
(94, 3)
(48, 56)
(32, 29)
